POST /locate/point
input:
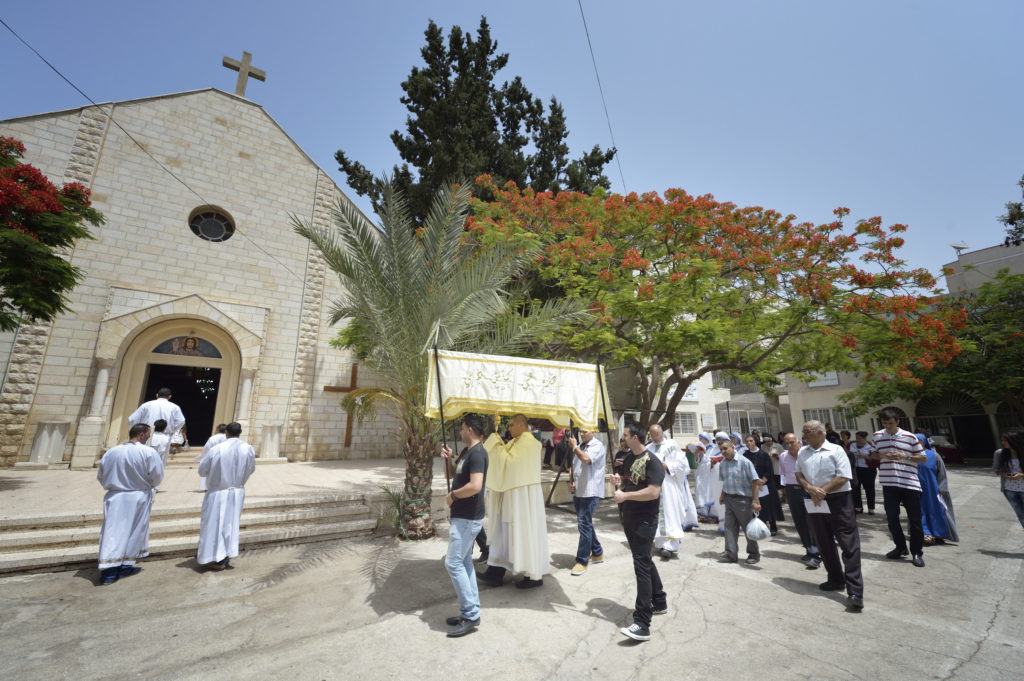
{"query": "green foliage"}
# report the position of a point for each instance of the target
(37, 222)
(991, 364)
(391, 512)
(682, 286)
(461, 124)
(1013, 219)
(407, 291)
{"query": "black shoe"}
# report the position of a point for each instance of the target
(897, 553)
(463, 628)
(814, 563)
(108, 576)
(494, 576)
(918, 560)
(724, 557)
(452, 621)
(127, 571)
(832, 586)
(752, 560)
(659, 609)
(527, 583)
(855, 602)
(637, 632)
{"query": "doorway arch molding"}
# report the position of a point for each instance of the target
(127, 341)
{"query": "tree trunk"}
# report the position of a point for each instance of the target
(419, 474)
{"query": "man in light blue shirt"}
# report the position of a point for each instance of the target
(586, 482)
(740, 487)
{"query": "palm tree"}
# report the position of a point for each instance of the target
(410, 290)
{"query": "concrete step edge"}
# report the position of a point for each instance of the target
(67, 537)
(60, 559)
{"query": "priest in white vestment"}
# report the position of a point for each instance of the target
(214, 440)
(516, 523)
(129, 473)
(678, 512)
(160, 408)
(226, 468)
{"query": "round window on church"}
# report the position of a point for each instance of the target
(211, 223)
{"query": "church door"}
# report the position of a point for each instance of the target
(197, 360)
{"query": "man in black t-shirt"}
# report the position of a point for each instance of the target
(466, 504)
(638, 492)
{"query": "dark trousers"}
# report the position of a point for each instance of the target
(481, 540)
(892, 497)
(649, 590)
(795, 498)
(866, 479)
(840, 522)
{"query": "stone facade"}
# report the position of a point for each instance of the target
(264, 290)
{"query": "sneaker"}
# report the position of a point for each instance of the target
(463, 628)
(752, 560)
(637, 632)
(597, 558)
(578, 569)
(452, 621)
(724, 557)
(659, 609)
(897, 553)
(814, 563)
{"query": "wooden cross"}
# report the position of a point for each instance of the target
(245, 71)
(346, 389)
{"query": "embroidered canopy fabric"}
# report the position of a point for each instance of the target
(537, 388)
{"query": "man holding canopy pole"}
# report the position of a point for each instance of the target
(516, 523)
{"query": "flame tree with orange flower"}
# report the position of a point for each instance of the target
(685, 285)
(37, 221)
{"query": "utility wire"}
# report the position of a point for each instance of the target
(618, 155)
(144, 150)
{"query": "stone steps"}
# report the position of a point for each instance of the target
(64, 541)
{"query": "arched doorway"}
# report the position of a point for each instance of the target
(197, 360)
(959, 418)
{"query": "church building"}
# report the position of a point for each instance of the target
(196, 282)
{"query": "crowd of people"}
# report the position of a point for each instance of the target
(825, 479)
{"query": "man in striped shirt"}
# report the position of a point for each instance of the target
(899, 452)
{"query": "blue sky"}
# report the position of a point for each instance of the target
(907, 110)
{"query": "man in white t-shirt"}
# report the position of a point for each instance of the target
(587, 486)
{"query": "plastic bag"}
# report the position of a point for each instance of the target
(757, 529)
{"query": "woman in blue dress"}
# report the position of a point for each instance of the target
(936, 504)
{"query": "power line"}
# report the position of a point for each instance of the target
(618, 156)
(141, 147)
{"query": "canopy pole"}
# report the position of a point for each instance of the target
(440, 408)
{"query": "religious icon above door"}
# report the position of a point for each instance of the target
(187, 346)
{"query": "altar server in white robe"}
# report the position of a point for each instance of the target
(678, 512)
(160, 408)
(160, 440)
(129, 473)
(214, 440)
(227, 468)
(516, 523)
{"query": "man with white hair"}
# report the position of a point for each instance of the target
(823, 470)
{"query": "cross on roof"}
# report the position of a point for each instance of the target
(245, 71)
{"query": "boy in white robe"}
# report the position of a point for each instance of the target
(226, 468)
(678, 512)
(128, 472)
(160, 440)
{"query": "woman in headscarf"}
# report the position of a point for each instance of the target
(937, 517)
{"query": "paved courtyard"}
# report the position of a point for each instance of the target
(375, 608)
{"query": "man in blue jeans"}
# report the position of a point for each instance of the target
(466, 503)
(586, 483)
